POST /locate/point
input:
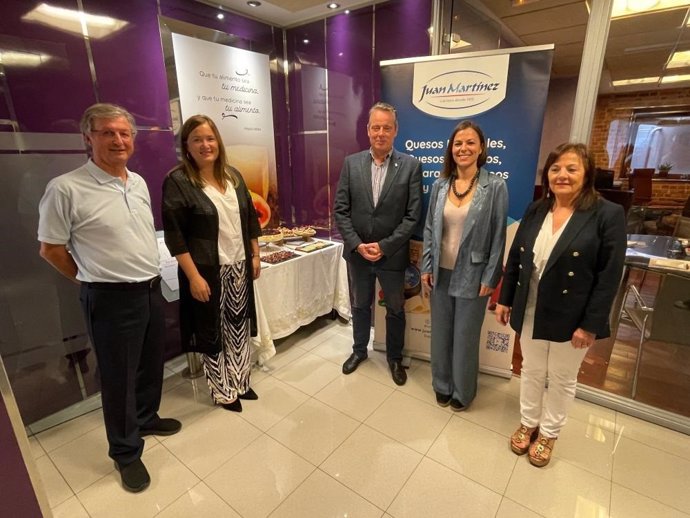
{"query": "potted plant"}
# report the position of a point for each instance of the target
(663, 168)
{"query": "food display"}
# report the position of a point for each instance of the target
(270, 235)
(288, 233)
(304, 231)
(278, 257)
(313, 246)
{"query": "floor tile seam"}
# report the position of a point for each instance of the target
(64, 478)
(282, 501)
(573, 418)
(464, 475)
(275, 370)
(91, 429)
(181, 496)
(352, 417)
(649, 445)
(407, 479)
(340, 482)
(427, 401)
(516, 503)
(423, 454)
(221, 497)
(71, 489)
(647, 496)
(229, 459)
(472, 479)
(339, 446)
(463, 416)
(322, 339)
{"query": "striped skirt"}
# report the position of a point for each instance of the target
(228, 372)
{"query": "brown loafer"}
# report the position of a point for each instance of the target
(522, 438)
(541, 450)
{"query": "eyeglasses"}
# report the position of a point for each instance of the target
(110, 134)
(384, 129)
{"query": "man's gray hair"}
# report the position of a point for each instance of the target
(104, 111)
(386, 108)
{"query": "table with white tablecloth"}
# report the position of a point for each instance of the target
(294, 293)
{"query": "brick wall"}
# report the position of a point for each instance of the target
(613, 112)
(667, 193)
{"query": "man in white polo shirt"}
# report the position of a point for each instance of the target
(96, 228)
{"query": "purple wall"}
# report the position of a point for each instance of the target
(17, 496)
(334, 79)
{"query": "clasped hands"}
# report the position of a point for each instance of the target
(370, 251)
(428, 283)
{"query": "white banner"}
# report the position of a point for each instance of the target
(233, 87)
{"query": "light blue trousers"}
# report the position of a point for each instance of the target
(456, 324)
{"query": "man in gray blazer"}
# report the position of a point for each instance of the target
(377, 207)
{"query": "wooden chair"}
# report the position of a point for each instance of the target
(668, 320)
(641, 183)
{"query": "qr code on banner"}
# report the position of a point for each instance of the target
(497, 341)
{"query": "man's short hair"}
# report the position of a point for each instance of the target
(386, 108)
(104, 111)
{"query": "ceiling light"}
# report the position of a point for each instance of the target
(676, 79)
(347, 11)
(636, 81)
(220, 16)
(305, 41)
(332, 5)
(253, 3)
(70, 20)
(16, 58)
(636, 7)
(679, 59)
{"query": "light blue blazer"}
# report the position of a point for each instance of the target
(480, 257)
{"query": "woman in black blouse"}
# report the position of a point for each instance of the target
(212, 229)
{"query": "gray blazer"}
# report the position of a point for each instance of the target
(480, 258)
(392, 221)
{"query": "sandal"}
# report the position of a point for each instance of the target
(541, 450)
(522, 438)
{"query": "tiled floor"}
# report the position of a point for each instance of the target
(321, 444)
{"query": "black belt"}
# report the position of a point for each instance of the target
(151, 284)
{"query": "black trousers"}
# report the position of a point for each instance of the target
(362, 287)
(126, 324)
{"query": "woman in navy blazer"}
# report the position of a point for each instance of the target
(464, 239)
(562, 274)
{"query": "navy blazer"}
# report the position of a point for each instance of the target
(394, 218)
(581, 277)
(480, 257)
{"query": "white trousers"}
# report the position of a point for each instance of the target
(560, 362)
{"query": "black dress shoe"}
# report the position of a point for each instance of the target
(442, 399)
(164, 426)
(134, 476)
(398, 372)
(352, 363)
(235, 406)
(457, 406)
(249, 395)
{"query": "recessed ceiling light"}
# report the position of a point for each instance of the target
(332, 5)
(305, 41)
(635, 7)
(347, 11)
(636, 81)
(676, 79)
(679, 59)
(253, 3)
(220, 16)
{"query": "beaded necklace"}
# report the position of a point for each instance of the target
(461, 195)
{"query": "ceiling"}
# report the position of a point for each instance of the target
(638, 46)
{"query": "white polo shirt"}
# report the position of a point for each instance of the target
(106, 225)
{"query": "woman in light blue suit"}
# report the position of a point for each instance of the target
(464, 240)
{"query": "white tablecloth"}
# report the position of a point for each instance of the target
(294, 293)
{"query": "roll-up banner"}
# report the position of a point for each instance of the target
(504, 92)
(233, 87)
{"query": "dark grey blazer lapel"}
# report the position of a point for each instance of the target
(577, 221)
(365, 176)
(391, 173)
